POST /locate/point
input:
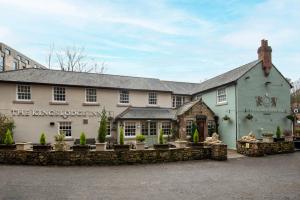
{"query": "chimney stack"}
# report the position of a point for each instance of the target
(264, 54)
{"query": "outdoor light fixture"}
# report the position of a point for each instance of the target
(52, 123)
(267, 83)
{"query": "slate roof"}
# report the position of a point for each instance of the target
(148, 113)
(185, 107)
(47, 76)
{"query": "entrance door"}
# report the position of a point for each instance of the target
(201, 122)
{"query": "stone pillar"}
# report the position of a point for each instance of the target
(219, 152)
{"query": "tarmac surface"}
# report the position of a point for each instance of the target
(270, 177)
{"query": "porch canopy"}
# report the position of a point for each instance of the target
(148, 113)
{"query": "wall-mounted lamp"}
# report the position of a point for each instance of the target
(267, 83)
(247, 77)
(52, 123)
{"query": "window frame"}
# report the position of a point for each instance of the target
(86, 95)
(109, 128)
(152, 98)
(15, 65)
(218, 96)
(191, 128)
(24, 93)
(175, 101)
(121, 92)
(135, 129)
(53, 94)
(59, 130)
(170, 128)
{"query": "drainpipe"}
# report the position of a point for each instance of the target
(236, 114)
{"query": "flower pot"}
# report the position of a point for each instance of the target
(8, 147)
(161, 146)
(39, 147)
(140, 146)
(101, 146)
(288, 138)
(21, 146)
(180, 143)
(196, 145)
(81, 148)
(121, 147)
(278, 139)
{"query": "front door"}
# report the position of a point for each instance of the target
(201, 122)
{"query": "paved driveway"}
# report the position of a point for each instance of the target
(272, 177)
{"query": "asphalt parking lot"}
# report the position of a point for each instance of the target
(271, 177)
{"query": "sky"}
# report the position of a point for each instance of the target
(179, 40)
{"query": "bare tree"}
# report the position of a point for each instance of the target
(73, 59)
(295, 92)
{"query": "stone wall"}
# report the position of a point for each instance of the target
(70, 158)
(256, 149)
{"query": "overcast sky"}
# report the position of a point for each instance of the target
(182, 40)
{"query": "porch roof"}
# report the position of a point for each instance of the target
(148, 113)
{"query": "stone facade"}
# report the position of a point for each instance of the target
(257, 149)
(71, 158)
(199, 108)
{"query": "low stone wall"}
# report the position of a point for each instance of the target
(256, 149)
(70, 158)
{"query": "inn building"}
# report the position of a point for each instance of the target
(253, 97)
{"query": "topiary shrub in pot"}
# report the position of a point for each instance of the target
(140, 142)
(196, 143)
(42, 146)
(121, 146)
(161, 142)
(8, 142)
(278, 135)
(82, 144)
(102, 132)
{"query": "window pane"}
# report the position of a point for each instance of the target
(124, 96)
(91, 95)
(153, 128)
(221, 96)
(65, 128)
(59, 94)
(1, 63)
(189, 127)
(152, 98)
(130, 129)
(108, 128)
(144, 128)
(24, 92)
(166, 128)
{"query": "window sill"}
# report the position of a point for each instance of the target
(22, 102)
(129, 137)
(123, 104)
(58, 103)
(222, 103)
(91, 104)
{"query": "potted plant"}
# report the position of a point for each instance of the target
(102, 132)
(267, 137)
(60, 144)
(226, 118)
(42, 146)
(121, 146)
(288, 137)
(278, 135)
(161, 142)
(140, 142)
(8, 142)
(196, 143)
(82, 144)
(249, 116)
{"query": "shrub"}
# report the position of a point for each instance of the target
(8, 138)
(6, 123)
(43, 139)
(140, 138)
(59, 137)
(121, 136)
(82, 139)
(196, 136)
(102, 131)
(60, 144)
(161, 137)
(278, 132)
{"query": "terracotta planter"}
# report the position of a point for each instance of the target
(181, 143)
(196, 145)
(123, 147)
(101, 146)
(39, 147)
(81, 148)
(161, 146)
(8, 147)
(140, 146)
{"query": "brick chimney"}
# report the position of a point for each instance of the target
(264, 54)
